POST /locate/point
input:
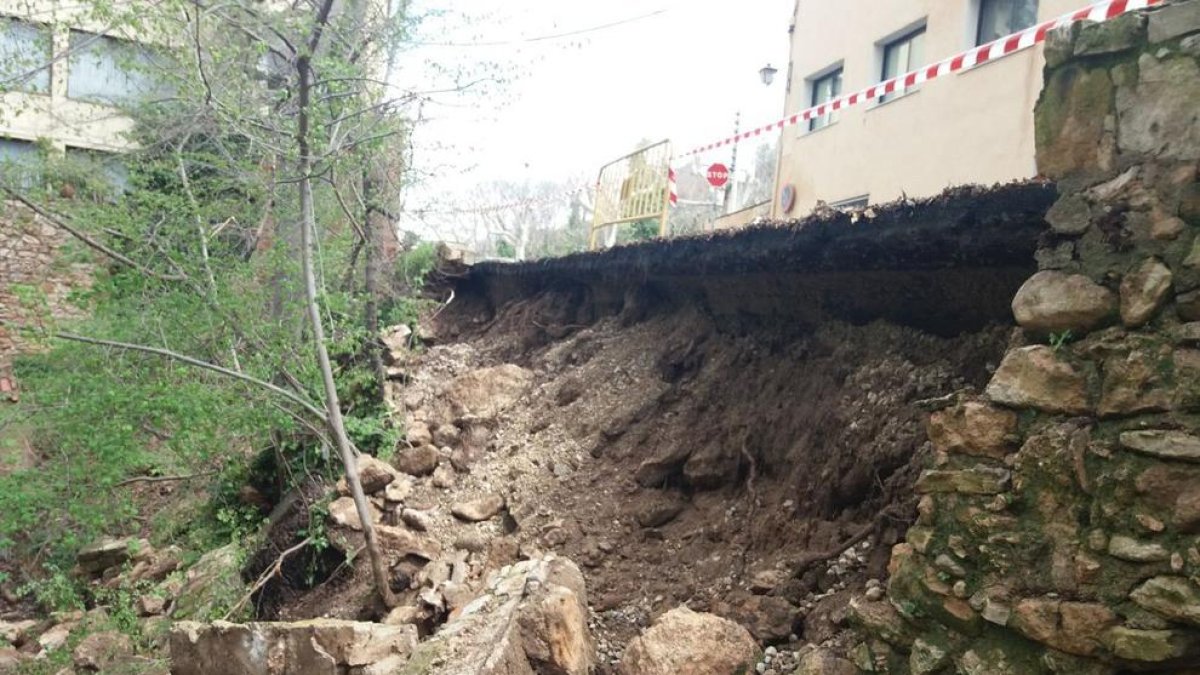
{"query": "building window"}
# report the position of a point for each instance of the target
(852, 204)
(901, 56)
(107, 70)
(998, 18)
(825, 89)
(20, 163)
(24, 57)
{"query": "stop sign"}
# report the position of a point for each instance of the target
(718, 175)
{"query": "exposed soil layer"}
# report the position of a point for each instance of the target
(683, 435)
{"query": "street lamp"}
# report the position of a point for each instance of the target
(767, 73)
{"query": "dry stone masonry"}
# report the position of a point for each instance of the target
(1059, 530)
(38, 272)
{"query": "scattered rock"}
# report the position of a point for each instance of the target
(343, 513)
(17, 632)
(398, 490)
(11, 660)
(443, 477)
(767, 580)
(1143, 292)
(487, 392)
(150, 605)
(56, 637)
(683, 642)
(769, 618)
(418, 434)
(1163, 444)
(480, 509)
(821, 661)
(419, 461)
(398, 543)
(1036, 377)
(404, 614)
(659, 510)
(446, 435)
(417, 520)
(1053, 302)
(98, 651)
(373, 474)
(396, 339)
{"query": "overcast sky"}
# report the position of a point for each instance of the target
(677, 69)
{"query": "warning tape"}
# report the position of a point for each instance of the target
(1098, 12)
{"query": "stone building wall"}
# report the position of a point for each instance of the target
(1059, 528)
(39, 267)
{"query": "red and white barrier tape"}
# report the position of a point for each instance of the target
(1101, 11)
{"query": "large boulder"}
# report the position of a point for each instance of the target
(683, 642)
(1052, 302)
(1035, 377)
(100, 651)
(487, 392)
(314, 647)
(214, 584)
(111, 552)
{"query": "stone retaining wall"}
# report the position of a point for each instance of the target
(37, 273)
(1058, 530)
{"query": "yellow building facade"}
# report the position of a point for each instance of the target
(975, 126)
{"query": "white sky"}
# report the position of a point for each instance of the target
(569, 105)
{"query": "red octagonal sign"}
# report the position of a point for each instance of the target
(718, 175)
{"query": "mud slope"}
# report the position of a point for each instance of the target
(765, 383)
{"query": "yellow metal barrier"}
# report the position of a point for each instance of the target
(633, 188)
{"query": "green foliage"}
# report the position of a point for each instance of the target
(414, 265)
(1060, 340)
(505, 249)
(56, 592)
(641, 230)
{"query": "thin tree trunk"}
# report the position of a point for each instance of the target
(332, 405)
(373, 252)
